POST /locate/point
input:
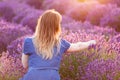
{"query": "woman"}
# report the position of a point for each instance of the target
(42, 53)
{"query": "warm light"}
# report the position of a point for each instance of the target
(87, 1)
(81, 0)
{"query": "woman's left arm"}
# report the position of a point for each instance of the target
(25, 60)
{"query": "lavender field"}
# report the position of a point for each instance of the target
(82, 20)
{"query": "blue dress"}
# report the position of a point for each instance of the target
(39, 68)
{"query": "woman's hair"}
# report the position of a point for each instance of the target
(47, 33)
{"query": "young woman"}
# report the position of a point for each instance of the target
(42, 53)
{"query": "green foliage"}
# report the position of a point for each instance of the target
(71, 65)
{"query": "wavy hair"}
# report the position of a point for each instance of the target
(47, 33)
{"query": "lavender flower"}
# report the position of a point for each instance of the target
(112, 19)
(35, 3)
(6, 12)
(80, 11)
(31, 19)
(59, 5)
(10, 32)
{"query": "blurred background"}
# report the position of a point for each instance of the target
(82, 20)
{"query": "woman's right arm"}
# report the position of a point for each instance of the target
(25, 60)
(75, 47)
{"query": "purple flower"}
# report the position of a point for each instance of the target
(35, 3)
(10, 32)
(6, 11)
(112, 19)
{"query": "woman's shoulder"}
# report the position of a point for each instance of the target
(63, 41)
(28, 47)
(28, 39)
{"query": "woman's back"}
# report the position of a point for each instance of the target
(39, 66)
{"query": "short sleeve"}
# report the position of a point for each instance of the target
(64, 45)
(27, 49)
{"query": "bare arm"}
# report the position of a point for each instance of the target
(74, 47)
(25, 60)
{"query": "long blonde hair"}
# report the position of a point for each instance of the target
(47, 33)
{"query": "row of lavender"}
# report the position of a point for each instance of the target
(97, 12)
(97, 63)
